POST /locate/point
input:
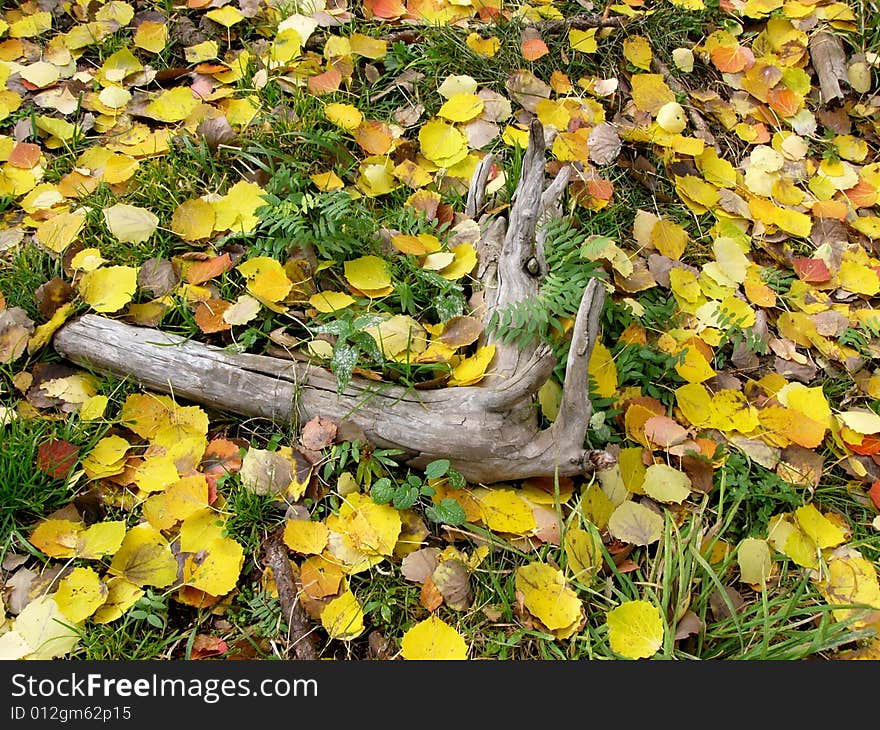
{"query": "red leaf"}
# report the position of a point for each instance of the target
(813, 271)
(57, 458)
(874, 494)
(205, 646)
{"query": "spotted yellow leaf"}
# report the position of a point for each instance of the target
(433, 639)
(635, 629)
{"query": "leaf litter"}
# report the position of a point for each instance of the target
(771, 251)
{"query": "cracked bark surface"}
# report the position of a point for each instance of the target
(490, 431)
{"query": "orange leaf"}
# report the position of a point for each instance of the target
(384, 9)
(202, 271)
(209, 316)
(862, 194)
(24, 155)
(830, 209)
(784, 101)
(534, 48)
(325, 83)
(874, 494)
(733, 59)
(374, 137)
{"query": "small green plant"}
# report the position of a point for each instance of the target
(404, 494)
(649, 368)
(152, 609)
(353, 346)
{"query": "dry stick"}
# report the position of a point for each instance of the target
(299, 628)
(490, 432)
(696, 118)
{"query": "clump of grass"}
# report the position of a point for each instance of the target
(26, 492)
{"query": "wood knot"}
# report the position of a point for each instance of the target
(533, 267)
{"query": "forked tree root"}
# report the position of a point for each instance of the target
(490, 432)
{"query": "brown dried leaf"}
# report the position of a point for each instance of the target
(158, 277)
(418, 566)
(318, 433)
(451, 579)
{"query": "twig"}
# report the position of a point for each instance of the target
(297, 619)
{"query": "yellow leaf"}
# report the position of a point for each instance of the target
(331, 301)
(109, 288)
(151, 36)
(731, 258)
(583, 553)
(236, 211)
(200, 52)
(266, 279)
(635, 629)
(306, 536)
(367, 46)
(637, 51)
(858, 278)
(602, 371)
(485, 47)
(399, 337)
(851, 579)
(343, 617)
(666, 484)
(56, 538)
(650, 92)
(755, 561)
(695, 403)
(102, 538)
(442, 144)
(129, 223)
(173, 105)
(433, 639)
(465, 258)
(145, 558)
(45, 629)
(635, 523)
(216, 560)
(178, 500)
(547, 595)
(121, 596)
(327, 181)
(43, 334)
(94, 408)
(216, 570)
(669, 238)
(472, 369)
(107, 458)
(367, 273)
(227, 16)
(346, 116)
(503, 510)
(193, 220)
(864, 422)
(822, 531)
(59, 231)
(462, 108)
(79, 594)
(694, 368)
(583, 40)
(371, 528)
(632, 468)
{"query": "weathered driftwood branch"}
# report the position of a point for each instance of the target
(490, 431)
(298, 626)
